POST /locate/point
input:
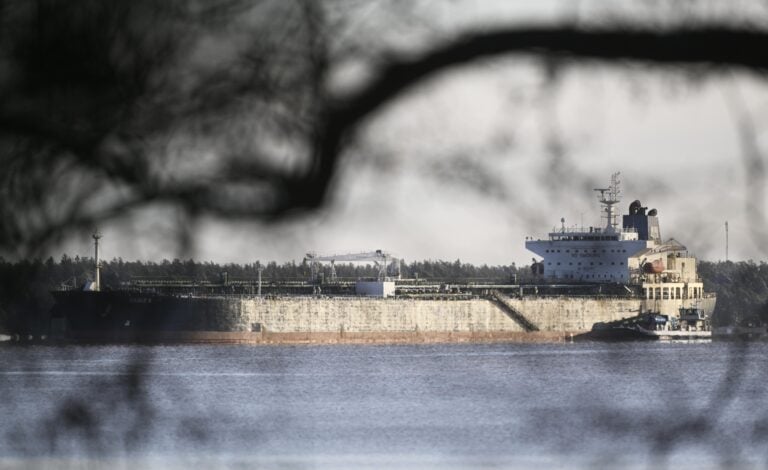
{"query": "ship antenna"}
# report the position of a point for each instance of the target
(97, 279)
(259, 269)
(609, 197)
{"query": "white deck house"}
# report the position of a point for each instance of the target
(630, 253)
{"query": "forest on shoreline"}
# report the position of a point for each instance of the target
(25, 300)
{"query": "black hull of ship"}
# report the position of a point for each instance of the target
(617, 334)
(136, 317)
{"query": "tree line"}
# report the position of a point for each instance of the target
(77, 270)
(25, 300)
(741, 288)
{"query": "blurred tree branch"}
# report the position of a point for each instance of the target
(227, 108)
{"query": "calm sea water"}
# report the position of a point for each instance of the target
(423, 406)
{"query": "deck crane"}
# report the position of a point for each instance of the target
(380, 258)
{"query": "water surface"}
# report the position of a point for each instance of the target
(644, 405)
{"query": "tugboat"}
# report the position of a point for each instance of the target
(691, 324)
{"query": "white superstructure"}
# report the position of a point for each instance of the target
(628, 253)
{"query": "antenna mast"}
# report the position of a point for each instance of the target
(726, 241)
(609, 197)
(97, 278)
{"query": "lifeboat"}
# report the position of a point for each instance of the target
(655, 267)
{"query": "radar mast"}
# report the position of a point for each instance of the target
(97, 278)
(609, 197)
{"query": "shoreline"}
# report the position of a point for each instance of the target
(308, 338)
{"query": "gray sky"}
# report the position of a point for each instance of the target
(469, 163)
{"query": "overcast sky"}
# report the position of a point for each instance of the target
(469, 163)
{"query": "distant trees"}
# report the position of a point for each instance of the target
(457, 270)
(742, 291)
(22, 308)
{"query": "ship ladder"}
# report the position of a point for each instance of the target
(497, 298)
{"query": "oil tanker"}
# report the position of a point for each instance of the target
(611, 275)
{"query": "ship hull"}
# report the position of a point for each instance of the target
(620, 334)
(615, 335)
(127, 313)
(130, 316)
